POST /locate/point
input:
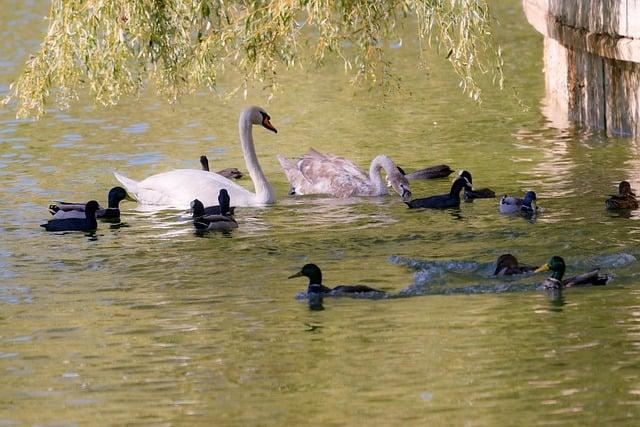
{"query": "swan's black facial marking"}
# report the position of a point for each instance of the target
(266, 122)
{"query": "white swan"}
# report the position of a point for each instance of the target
(317, 173)
(177, 188)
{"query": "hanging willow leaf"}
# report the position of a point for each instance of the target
(112, 48)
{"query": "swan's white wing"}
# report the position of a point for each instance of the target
(328, 174)
(177, 188)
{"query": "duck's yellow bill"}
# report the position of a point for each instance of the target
(298, 274)
(542, 268)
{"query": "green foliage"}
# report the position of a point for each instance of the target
(111, 47)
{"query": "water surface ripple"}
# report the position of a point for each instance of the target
(149, 323)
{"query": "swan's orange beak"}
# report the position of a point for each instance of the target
(267, 124)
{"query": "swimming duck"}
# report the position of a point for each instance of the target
(443, 201)
(507, 265)
(625, 199)
(62, 210)
(557, 266)
(432, 172)
(221, 221)
(231, 173)
(314, 274)
(215, 209)
(88, 223)
(469, 195)
(510, 204)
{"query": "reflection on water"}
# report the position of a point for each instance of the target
(148, 322)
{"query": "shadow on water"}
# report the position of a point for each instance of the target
(213, 233)
(556, 299)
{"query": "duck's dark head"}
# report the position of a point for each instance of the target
(197, 207)
(116, 195)
(224, 201)
(311, 271)
(529, 198)
(204, 162)
(505, 262)
(458, 184)
(466, 174)
(91, 207)
(556, 265)
(625, 188)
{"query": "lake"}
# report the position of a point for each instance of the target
(148, 323)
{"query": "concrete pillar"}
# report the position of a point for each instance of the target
(592, 61)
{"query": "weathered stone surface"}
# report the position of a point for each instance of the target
(592, 60)
(622, 88)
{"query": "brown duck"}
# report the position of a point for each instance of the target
(625, 199)
(507, 265)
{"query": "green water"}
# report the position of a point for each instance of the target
(150, 324)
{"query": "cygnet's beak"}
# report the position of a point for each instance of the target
(298, 274)
(406, 194)
(542, 268)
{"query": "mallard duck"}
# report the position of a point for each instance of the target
(557, 266)
(432, 172)
(88, 223)
(231, 173)
(62, 210)
(222, 221)
(625, 199)
(314, 274)
(443, 201)
(469, 195)
(507, 265)
(215, 209)
(510, 204)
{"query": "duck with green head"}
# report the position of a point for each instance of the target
(482, 193)
(88, 223)
(65, 210)
(222, 221)
(557, 266)
(314, 274)
(443, 201)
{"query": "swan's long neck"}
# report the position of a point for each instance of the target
(264, 191)
(378, 185)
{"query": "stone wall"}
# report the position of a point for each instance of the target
(592, 60)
